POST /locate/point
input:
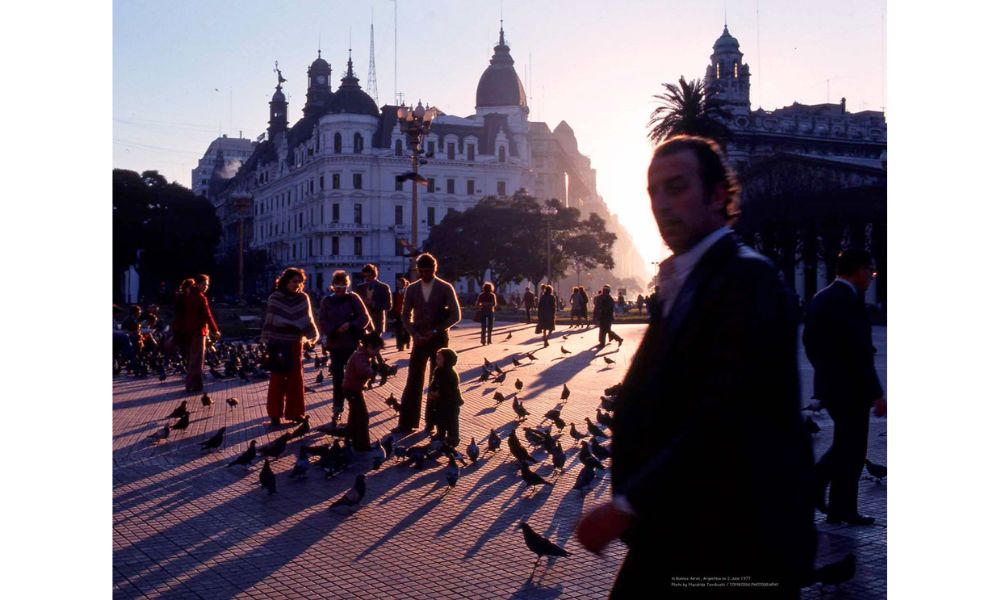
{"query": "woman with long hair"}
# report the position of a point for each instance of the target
(287, 322)
(486, 304)
(546, 313)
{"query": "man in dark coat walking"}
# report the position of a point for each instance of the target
(430, 309)
(710, 460)
(838, 342)
(529, 303)
(604, 314)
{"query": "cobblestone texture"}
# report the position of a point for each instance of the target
(186, 526)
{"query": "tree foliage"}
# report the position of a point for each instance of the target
(508, 237)
(162, 228)
(687, 108)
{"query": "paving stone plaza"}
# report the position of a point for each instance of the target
(188, 526)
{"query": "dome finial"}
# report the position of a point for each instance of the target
(350, 64)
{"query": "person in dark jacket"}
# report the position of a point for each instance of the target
(546, 313)
(343, 319)
(653, 304)
(604, 314)
(376, 295)
(710, 466)
(359, 371)
(444, 397)
(486, 304)
(402, 336)
(430, 309)
(529, 303)
(838, 341)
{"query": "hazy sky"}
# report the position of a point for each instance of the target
(594, 64)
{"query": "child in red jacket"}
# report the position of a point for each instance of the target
(359, 370)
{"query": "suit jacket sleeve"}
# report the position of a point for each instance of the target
(408, 309)
(386, 297)
(454, 308)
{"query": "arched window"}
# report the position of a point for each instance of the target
(399, 147)
(502, 154)
(359, 143)
(337, 145)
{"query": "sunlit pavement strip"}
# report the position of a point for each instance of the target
(185, 525)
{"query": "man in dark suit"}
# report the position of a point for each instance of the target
(710, 460)
(376, 295)
(604, 314)
(838, 342)
(430, 309)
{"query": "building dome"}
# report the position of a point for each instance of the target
(726, 42)
(350, 98)
(278, 96)
(499, 84)
(320, 66)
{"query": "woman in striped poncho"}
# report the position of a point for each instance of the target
(288, 320)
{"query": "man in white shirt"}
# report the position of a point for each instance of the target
(710, 470)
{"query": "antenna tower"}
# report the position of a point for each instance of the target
(372, 88)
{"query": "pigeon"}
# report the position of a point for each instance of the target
(599, 451)
(539, 545)
(183, 423)
(522, 413)
(534, 436)
(875, 470)
(160, 435)
(333, 460)
(498, 396)
(565, 393)
(838, 572)
(608, 361)
(500, 378)
(267, 478)
(302, 429)
(584, 478)
(387, 444)
(493, 441)
(247, 457)
(232, 402)
(399, 452)
(552, 414)
(518, 384)
(451, 472)
(509, 335)
(472, 450)
(594, 429)
(517, 449)
(485, 376)
(393, 403)
(558, 422)
(487, 364)
(811, 425)
(515, 362)
(559, 457)
(205, 400)
(275, 448)
(319, 378)
(587, 457)
(354, 495)
(215, 441)
(576, 435)
(605, 419)
(564, 350)
(607, 404)
(378, 456)
(180, 411)
(613, 390)
(531, 478)
(301, 464)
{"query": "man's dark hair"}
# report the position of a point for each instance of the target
(373, 339)
(712, 166)
(849, 261)
(370, 268)
(202, 278)
(427, 261)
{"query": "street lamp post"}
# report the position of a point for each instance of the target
(415, 124)
(548, 212)
(241, 203)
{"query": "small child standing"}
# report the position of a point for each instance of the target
(445, 397)
(358, 371)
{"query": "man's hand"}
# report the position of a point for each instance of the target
(880, 407)
(600, 526)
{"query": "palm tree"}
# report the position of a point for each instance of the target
(687, 109)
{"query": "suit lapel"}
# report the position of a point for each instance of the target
(685, 302)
